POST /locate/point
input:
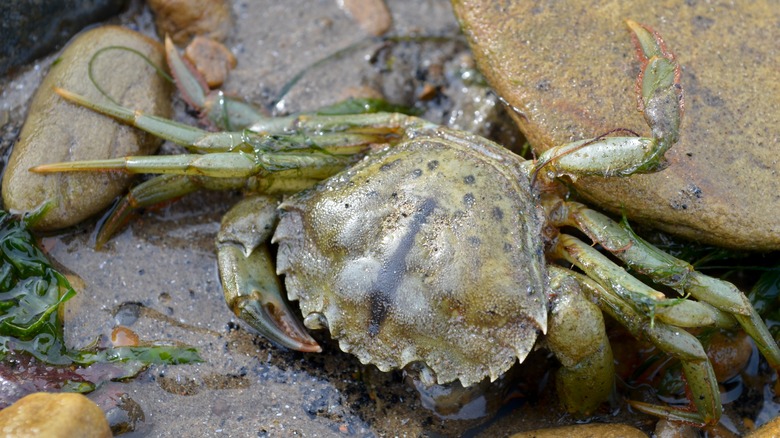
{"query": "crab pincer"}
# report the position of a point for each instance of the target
(252, 288)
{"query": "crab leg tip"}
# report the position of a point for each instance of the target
(191, 84)
(312, 347)
(51, 168)
(168, 42)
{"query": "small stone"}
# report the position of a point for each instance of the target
(54, 415)
(371, 15)
(673, 429)
(184, 19)
(729, 354)
(212, 60)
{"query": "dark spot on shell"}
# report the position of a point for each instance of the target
(508, 247)
(498, 214)
(387, 166)
(474, 241)
(346, 205)
(416, 173)
(469, 200)
(433, 164)
(469, 179)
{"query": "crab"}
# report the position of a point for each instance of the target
(417, 244)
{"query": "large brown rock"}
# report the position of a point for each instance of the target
(568, 69)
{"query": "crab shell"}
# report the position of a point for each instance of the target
(429, 251)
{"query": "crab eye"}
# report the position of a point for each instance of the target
(315, 321)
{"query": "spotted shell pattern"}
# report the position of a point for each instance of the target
(429, 251)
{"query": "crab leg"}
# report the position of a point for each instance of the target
(226, 113)
(216, 165)
(164, 188)
(680, 344)
(340, 134)
(660, 100)
(252, 288)
(577, 336)
(679, 312)
(151, 192)
(288, 154)
(663, 268)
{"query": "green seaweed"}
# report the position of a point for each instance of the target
(32, 293)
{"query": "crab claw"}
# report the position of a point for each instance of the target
(214, 107)
(659, 92)
(252, 289)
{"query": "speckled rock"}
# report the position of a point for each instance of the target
(568, 69)
(54, 415)
(56, 130)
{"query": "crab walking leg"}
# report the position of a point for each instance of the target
(216, 165)
(151, 192)
(252, 288)
(677, 342)
(164, 188)
(336, 134)
(577, 336)
(658, 85)
(660, 100)
(223, 111)
(663, 268)
(643, 298)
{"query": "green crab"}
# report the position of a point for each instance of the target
(430, 246)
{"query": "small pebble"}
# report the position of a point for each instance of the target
(122, 336)
(729, 354)
(371, 15)
(184, 19)
(54, 415)
(212, 60)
